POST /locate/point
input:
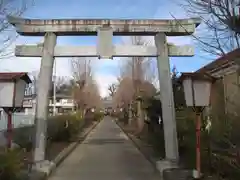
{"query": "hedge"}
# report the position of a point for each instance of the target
(220, 147)
(62, 128)
(11, 164)
(59, 128)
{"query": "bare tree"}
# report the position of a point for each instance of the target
(136, 77)
(8, 34)
(92, 94)
(85, 91)
(141, 69)
(60, 82)
(220, 24)
(63, 85)
(112, 89)
(124, 93)
(81, 68)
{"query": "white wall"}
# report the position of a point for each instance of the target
(63, 103)
(6, 94)
(17, 119)
(20, 88)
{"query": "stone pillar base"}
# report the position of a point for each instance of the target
(177, 174)
(169, 170)
(43, 166)
(165, 164)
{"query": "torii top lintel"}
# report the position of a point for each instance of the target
(89, 27)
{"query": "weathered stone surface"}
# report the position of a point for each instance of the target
(121, 27)
(105, 43)
(91, 51)
(177, 174)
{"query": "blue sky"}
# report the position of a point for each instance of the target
(105, 71)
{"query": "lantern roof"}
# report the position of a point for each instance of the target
(197, 76)
(13, 76)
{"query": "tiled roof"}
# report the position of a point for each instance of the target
(10, 76)
(227, 58)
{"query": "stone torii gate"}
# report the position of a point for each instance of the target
(105, 29)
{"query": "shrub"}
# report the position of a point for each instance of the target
(116, 114)
(59, 128)
(93, 116)
(187, 140)
(75, 124)
(64, 127)
(220, 148)
(123, 116)
(78, 114)
(23, 136)
(10, 164)
(224, 147)
(98, 116)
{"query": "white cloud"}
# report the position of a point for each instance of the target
(103, 81)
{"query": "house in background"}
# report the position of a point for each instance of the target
(107, 104)
(226, 90)
(25, 115)
(64, 103)
(29, 104)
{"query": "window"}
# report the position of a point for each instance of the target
(69, 101)
(28, 90)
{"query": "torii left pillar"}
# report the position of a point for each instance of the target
(168, 110)
(46, 70)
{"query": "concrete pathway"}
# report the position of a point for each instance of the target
(106, 154)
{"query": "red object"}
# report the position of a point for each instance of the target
(198, 145)
(9, 130)
(12, 76)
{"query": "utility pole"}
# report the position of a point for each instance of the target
(130, 114)
(54, 87)
(85, 83)
(137, 83)
(85, 76)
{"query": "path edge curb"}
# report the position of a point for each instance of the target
(64, 154)
(153, 162)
